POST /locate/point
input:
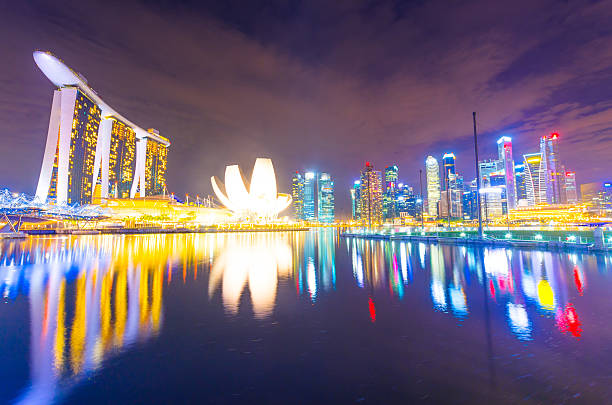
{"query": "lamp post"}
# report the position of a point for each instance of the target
(477, 176)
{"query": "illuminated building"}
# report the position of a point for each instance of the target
(491, 203)
(570, 191)
(371, 195)
(433, 185)
(448, 162)
(156, 162)
(551, 168)
(261, 201)
(325, 198)
(534, 179)
(521, 184)
(122, 159)
(309, 196)
(356, 199)
(486, 168)
(407, 201)
(297, 193)
(390, 195)
(88, 143)
(597, 197)
(504, 150)
(469, 203)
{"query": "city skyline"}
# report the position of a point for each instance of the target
(197, 109)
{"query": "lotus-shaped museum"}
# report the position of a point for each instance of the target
(258, 200)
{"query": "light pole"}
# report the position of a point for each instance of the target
(477, 176)
(422, 199)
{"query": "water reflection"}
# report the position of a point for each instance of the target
(91, 298)
(524, 283)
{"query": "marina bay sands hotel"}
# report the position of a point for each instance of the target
(91, 150)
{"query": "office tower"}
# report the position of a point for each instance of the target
(448, 163)
(491, 203)
(297, 194)
(371, 195)
(521, 185)
(597, 197)
(309, 196)
(486, 168)
(356, 199)
(390, 195)
(504, 150)
(88, 143)
(433, 185)
(571, 193)
(325, 198)
(551, 168)
(455, 187)
(469, 206)
(406, 201)
(534, 179)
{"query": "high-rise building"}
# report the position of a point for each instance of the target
(88, 143)
(297, 194)
(325, 200)
(597, 197)
(390, 196)
(371, 195)
(534, 179)
(433, 185)
(504, 150)
(571, 192)
(551, 168)
(309, 196)
(521, 185)
(122, 159)
(448, 167)
(486, 168)
(491, 203)
(356, 199)
(470, 202)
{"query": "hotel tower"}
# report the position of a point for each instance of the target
(91, 148)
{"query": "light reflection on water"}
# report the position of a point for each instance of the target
(90, 298)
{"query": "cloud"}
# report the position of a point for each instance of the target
(317, 85)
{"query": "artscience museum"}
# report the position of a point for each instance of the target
(258, 200)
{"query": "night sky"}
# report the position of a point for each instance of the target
(321, 86)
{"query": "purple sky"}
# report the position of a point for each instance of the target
(319, 86)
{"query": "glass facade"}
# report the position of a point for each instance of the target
(309, 196)
(433, 185)
(504, 150)
(448, 162)
(391, 193)
(355, 200)
(325, 198)
(551, 168)
(521, 186)
(534, 179)
(371, 195)
(297, 193)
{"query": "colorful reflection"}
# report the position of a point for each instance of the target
(521, 284)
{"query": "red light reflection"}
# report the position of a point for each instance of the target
(567, 321)
(578, 276)
(372, 310)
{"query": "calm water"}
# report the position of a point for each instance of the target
(301, 317)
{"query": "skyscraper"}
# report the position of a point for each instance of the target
(551, 168)
(371, 195)
(297, 193)
(504, 150)
(356, 199)
(448, 162)
(309, 196)
(88, 143)
(390, 195)
(486, 168)
(433, 185)
(534, 179)
(571, 193)
(521, 185)
(325, 198)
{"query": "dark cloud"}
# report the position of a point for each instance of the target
(316, 84)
